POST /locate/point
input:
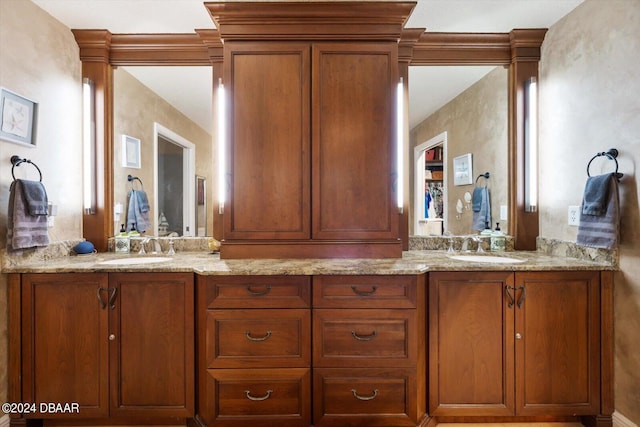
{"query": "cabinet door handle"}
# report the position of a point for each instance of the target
(258, 293)
(512, 299)
(112, 298)
(254, 398)
(364, 293)
(518, 336)
(112, 337)
(523, 295)
(102, 303)
(364, 337)
(359, 397)
(250, 338)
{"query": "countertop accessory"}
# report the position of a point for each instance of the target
(612, 154)
(17, 161)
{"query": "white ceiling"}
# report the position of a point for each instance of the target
(429, 87)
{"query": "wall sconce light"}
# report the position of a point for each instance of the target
(89, 146)
(222, 153)
(531, 145)
(400, 145)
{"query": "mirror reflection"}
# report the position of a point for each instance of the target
(474, 121)
(175, 146)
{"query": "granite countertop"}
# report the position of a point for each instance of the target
(412, 262)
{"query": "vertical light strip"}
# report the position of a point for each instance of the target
(400, 145)
(89, 146)
(222, 152)
(531, 145)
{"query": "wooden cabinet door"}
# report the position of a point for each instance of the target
(471, 359)
(64, 342)
(557, 354)
(151, 327)
(269, 170)
(353, 142)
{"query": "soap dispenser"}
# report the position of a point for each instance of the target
(498, 240)
(122, 241)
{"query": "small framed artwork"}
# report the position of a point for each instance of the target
(130, 152)
(18, 117)
(463, 170)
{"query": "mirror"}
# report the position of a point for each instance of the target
(474, 121)
(155, 114)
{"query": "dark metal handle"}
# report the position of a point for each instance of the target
(364, 293)
(359, 397)
(250, 338)
(258, 293)
(112, 298)
(523, 295)
(364, 337)
(254, 398)
(511, 297)
(102, 303)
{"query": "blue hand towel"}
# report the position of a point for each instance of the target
(35, 196)
(596, 193)
(601, 231)
(135, 214)
(24, 230)
(482, 218)
(143, 201)
(476, 199)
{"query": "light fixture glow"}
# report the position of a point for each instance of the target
(531, 145)
(221, 146)
(89, 146)
(400, 145)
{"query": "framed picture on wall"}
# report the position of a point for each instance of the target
(463, 170)
(18, 116)
(130, 152)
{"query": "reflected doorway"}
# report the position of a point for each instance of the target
(430, 200)
(174, 186)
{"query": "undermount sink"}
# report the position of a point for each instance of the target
(487, 258)
(135, 260)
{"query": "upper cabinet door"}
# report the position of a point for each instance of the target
(353, 143)
(269, 106)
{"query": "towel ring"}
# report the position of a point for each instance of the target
(485, 175)
(132, 178)
(612, 154)
(17, 161)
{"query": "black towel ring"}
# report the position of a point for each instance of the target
(132, 178)
(485, 175)
(17, 161)
(612, 154)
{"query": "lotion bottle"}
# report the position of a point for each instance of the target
(498, 240)
(122, 241)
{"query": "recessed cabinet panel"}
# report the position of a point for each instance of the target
(353, 141)
(269, 194)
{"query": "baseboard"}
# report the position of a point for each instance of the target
(620, 420)
(4, 420)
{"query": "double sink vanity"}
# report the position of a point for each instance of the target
(429, 337)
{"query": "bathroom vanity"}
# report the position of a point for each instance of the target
(401, 342)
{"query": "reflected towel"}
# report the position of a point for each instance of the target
(35, 197)
(482, 218)
(601, 231)
(595, 196)
(135, 214)
(24, 230)
(143, 201)
(476, 199)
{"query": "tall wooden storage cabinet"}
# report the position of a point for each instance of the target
(311, 129)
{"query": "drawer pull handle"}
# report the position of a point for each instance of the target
(250, 338)
(257, 399)
(357, 396)
(258, 293)
(364, 337)
(364, 293)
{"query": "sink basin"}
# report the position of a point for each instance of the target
(487, 258)
(136, 260)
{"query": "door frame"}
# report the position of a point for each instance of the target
(418, 183)
(188, 179)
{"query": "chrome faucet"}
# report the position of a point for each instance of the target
(465, 247)
(157, 249)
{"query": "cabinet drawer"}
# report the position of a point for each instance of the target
(258, 338)
(240, 397)
(366, 291)
(380, 397)
(256, 291)
(364, 338)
